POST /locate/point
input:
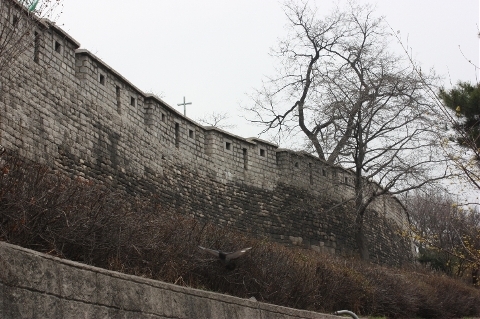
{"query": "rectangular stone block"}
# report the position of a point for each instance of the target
(23, 303)
(28, 270)
(77, 284)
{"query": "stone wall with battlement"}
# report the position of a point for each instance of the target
(69, 109)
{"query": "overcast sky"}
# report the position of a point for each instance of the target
(216, 52)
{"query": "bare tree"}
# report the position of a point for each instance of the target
(465, 124)
(20, 20)
(446, 233)
(219, 120)
(440, 224)
(358, 104)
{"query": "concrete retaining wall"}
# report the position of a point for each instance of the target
(35, 285)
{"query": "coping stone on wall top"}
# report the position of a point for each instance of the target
(109, 68)
(60, 31)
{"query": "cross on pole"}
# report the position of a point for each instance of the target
(184, 106)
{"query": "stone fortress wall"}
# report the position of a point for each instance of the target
(63, 106)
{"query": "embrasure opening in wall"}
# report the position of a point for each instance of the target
(177, 134)
(245, 158)
(58, 47)
(15, 20)
(36, 47)
(119, 105)
(310, 173)
(133, 101)
(101, 79)
(191, 134)
(228, 146)
(262, 152)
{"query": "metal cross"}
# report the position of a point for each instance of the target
(184, 106)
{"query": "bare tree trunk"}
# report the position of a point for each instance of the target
(475, 274)
(360, 239)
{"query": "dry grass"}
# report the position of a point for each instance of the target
(86, 222)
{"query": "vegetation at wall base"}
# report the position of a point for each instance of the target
(447, 235)
(80, 220)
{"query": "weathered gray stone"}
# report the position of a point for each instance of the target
(109, 294)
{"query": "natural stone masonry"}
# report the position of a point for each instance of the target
(35, 285)
(72, 111)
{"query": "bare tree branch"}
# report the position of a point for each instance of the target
(357, 103)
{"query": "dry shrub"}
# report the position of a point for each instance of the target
(50, 212)
(443, 297)
(393, 294)
(87, 222)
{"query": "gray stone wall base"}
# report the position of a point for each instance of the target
(36, 285)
